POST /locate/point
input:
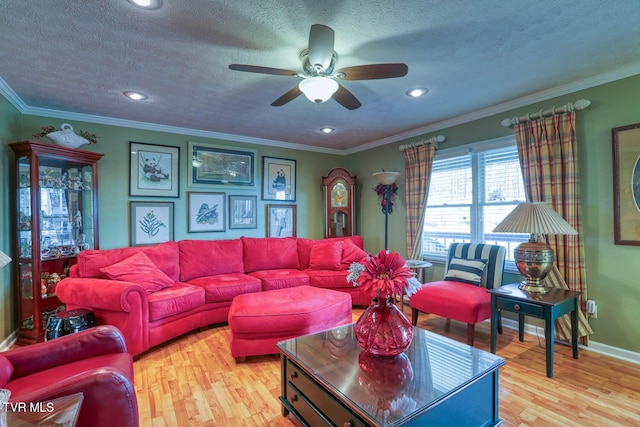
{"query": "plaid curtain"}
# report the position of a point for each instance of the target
(548, 156)
(417, 173)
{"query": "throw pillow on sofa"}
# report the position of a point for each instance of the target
(6, 370)
(326, 256)
(351, 253)
(139, 269)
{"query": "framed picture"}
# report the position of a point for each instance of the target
(278, 179)
(281, 221)
(150, 222)
(242, 211)
(154, 170)
(216, 165)
(626, 184)
(206, 212)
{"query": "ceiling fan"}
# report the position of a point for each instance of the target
(319, 80)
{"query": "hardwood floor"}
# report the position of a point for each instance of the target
(194, 381)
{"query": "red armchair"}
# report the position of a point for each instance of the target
(462, 295)
(94, 362)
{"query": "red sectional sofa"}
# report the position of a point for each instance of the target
(155, 293)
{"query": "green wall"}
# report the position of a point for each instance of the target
(612, 270)
(113, 181)
(9, 131)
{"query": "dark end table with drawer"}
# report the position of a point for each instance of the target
(548, 306)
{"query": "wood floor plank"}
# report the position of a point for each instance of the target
(194, 381)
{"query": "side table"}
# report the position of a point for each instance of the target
(418, 266)
(549, 306)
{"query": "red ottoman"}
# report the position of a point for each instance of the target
(259, 320)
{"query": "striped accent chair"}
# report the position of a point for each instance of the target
(462, 294)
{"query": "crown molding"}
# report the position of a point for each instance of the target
(66, 115)
(586, 83)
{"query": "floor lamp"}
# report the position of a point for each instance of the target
(386, 181)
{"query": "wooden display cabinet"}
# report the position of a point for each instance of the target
(339, 191)
(56, 217)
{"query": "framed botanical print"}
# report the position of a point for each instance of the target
(278, 179)
(242, 211)
(150, 222)
(206, 212)
(154, 170)
(626, 184)
(221, 166)
(281, 220)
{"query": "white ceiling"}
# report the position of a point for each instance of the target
(74, 59)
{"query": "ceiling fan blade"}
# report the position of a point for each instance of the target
(373, 71)
(262, 70)
(288, 96)
(321, 40)
(346, 99)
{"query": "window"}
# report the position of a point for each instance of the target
(471, 191)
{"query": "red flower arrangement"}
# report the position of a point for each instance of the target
(380, 191)
(384, 275)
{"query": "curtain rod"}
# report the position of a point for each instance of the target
(433, 140)
(580, 104)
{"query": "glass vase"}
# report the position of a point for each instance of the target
(383, 330)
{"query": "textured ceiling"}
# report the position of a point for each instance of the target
(78, 57)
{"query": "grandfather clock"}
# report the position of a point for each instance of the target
(338, 191)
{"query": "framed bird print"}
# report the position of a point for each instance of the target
(206, 212)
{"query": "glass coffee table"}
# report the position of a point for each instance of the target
(328, 380)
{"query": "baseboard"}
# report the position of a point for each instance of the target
(9, 341)
(596, 347)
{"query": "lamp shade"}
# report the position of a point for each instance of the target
(4, 259)
(318, 89)
(386, 178)
(534, 218)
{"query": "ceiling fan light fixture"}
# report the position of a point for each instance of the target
(318, 89)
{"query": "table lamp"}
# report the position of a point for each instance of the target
(534, 258)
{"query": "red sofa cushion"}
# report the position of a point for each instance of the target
(326, 256)
(225, 287)
(304, 247)
(177, 299)
(454, 300)
(200, 258)
(351, 253)
(279, 279)
(269, 253)
(139, 269)
(6, 370)
(164, 255)
(329, 279)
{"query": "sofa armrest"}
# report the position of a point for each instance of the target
(89, 343)
(105, 294)
(108, 397)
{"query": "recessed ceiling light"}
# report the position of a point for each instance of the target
(136, 96)
(417, 92)
(147, 4)
(326, 129)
